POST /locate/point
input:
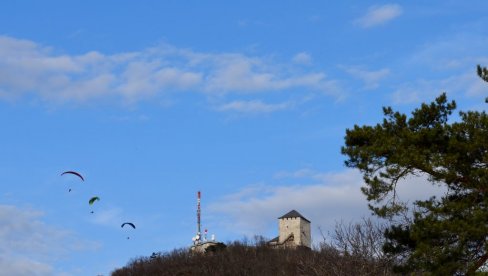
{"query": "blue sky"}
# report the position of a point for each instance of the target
(248, 102)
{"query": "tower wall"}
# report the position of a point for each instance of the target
(300, 229)
(305, 234)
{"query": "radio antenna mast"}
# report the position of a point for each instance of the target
(198, 214)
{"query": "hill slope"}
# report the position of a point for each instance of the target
(244, 259)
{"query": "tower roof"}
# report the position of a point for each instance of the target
(293, 214)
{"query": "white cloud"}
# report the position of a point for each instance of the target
(255, 209)
(378, 15)
(22, 231)
(29, 246)
(22, 266)
(460, 50)
(30, 68)
(237, 73)
(254, 106)
(371, 78)
(466, 84)
(330, 198)
(451, 59)
(302, 58)
(406, 95)
(108, 217)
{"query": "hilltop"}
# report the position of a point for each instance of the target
(352, 249)
(241, 258)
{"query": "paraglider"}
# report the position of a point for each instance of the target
(92, 200)
(74, 173)
(128, 223)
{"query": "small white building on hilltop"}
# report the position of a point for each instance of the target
(294, 231)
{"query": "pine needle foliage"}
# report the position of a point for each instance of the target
(444, 235)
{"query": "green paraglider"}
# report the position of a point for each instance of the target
(93, 199)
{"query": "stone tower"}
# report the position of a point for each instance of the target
(294, 230)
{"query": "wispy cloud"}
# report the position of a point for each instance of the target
(254, 106)
(24, 267)
(238, 73)
(450, 52)
(29, 246)
(466, 85)
(446, 63)
(370, 78)
(325, 200)
(108, 217)
(29, 68)
(302, 58)
(378, 15)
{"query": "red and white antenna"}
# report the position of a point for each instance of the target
(198, 214)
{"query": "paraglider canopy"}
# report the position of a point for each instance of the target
(93, 199)
(128, 223)
(74, 173)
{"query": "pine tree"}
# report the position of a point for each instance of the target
(482, 73)
(445, 235)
